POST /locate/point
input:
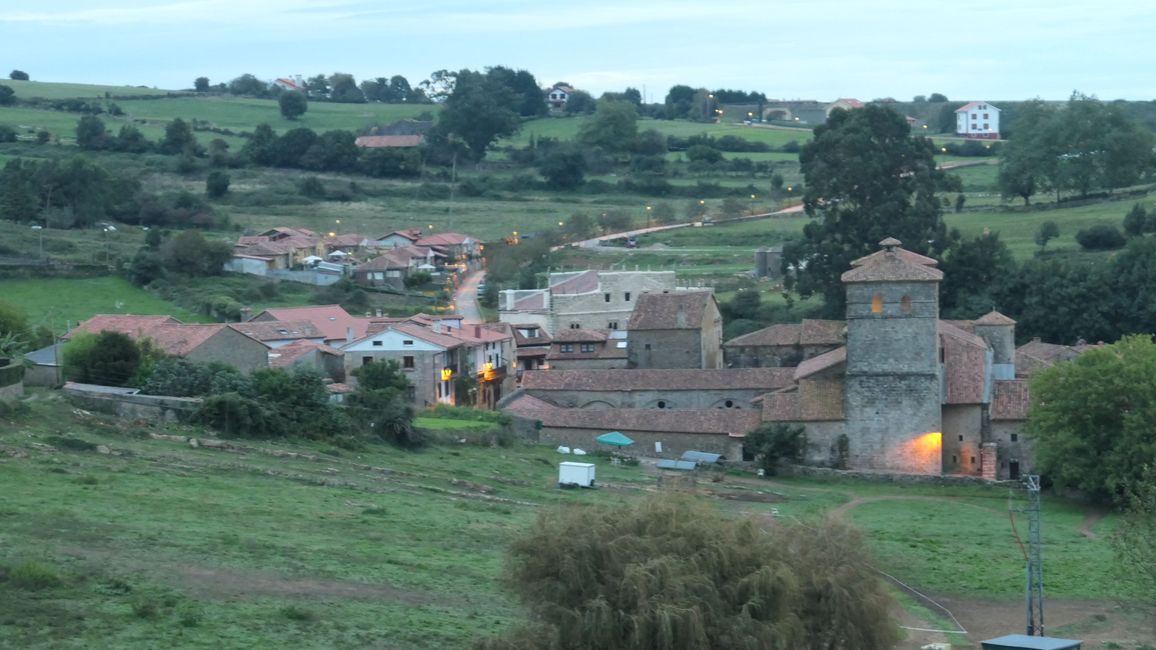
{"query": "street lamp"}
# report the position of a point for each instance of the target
(648, 209)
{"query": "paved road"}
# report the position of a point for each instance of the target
(466, 297)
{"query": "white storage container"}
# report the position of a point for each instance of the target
(579, 474)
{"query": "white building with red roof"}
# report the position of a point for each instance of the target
(977, 120)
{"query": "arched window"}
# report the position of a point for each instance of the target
(877, 304)
(729, 403)
(905, 304)
(661, 404)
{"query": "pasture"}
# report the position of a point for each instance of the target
(158, 544)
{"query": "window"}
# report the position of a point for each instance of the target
(985, 126)
(961, 438)
(1015, 437)
(729, 403)
(953, 461)
(411, 393)
(612, 325)
(407, 362)
(407, 342)
(626, 296)
(877, 304)
(905, 304)
(661, 404)
(586, 347)
(985, 116)
(575, 326)
(974, 117)
(973, 460)
(942, 355)
(606, 297)
(646, 347)
(566, 347)
(377, 344)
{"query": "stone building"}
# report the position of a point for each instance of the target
(587, 349)
(676, 330)
(583, 299)
(893, 389)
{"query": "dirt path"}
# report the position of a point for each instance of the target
(1091, 518)
(842, 510)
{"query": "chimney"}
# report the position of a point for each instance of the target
(246, 314)
(477, 331)
(349, 335)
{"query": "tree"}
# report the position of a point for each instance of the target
(317, 87)
(773, 442)
(178, 138)
(973, 272)
(678, 101)
(217, 184)
(19, 197)
(663, 213)
(399, 90)
(108, 358)
(580, 102)
(579, 226)
(1135, 538)
(937, 97)
(563, 167)
(440, 85)
(18, 75)
(669, 572)
(343, 89)
(1100, 237)
(130, 140)
(293, 104)
(614, 126)
(258, 149)
(248, 84)
(1136, 221)
(867, 179)
(531, 101)
(91, 133)
(1091, 418)
(613, 221)
(478, 111)
(382, 403)
(1047, 231)
(190, 253)
(201, 84)
(7, 95)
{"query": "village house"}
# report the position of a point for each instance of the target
(334, 324)
(977, 120)
(557, 96)
(893, 388)
(428, 359)
(532, 345)
(675, 330)
(198, 343)
(577, 349)
(303, 353)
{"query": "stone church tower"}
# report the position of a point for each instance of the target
(893, 390)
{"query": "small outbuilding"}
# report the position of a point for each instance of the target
(1025, 642)
(575, 474)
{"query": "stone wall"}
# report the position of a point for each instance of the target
(665, 349)
(136, 407)
(612, 302)
(893, 423)
(671, 399)
(1010, 451)
(962, 426)
(12, 379)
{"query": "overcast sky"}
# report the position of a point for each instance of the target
(788, 49)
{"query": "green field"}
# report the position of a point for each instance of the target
(56, 302)
(157, 544)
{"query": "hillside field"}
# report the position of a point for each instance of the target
(114, 538)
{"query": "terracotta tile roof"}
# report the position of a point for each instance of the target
(446, 239)
(339, 388)
(708, 421)
(380, 141)
(1010, 399)
(813, 400)
(669, 311)
(824, 361)
(521, 340)
(531, 353)
(134, 326)
(412, 234)
(892, 266)
(581, 336)
(427, 335)
(1028, 365)
(287, 355)
(970, 105)
(533, 302)
(393, 259)
(275, 330)
(902, 253)
(776, 335)
(767, 379)
(180, 340)
(823, 332)
(1048, 352)
(964, 365)
(476, 333)
(330, 320)
(584, 282)
(965, 325)
(994, 318)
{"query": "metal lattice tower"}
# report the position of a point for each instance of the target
(1035, 566)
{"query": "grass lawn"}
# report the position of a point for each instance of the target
(53, 302)
(53, 90)
(158, 544)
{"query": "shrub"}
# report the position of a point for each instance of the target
(217, 184)
(1100, 237)
(772, 442)
(31, 574)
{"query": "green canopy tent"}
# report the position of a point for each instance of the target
(615, 439)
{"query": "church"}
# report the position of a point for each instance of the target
(893, 388)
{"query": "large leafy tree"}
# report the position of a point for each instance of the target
(867, 178)
(108, 358)
(531, 101)
(614, 126)
(672, 573)
(973, 272)
(1092, 418)
(478, 111)
(293, 104)
(1135, 538)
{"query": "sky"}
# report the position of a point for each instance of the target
(787, 49)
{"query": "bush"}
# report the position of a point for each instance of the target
(1101, 237)
(772, 442)
(217, 184)
(31, 574)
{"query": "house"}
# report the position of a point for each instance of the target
(578, 349)
(280, 248)
(583, 299)
(977, 120)
(217, 342)
(846, 103)
(556, 97)
(389, 141)
(310, 354)
(785, 344)
(676, 330)
(387, 270)
(532, 345)
(488, 355)
(399, 238)
(290, 83)
(455, 246)
(892, 388)
(276, 334)
(429, 359)
(334, 323)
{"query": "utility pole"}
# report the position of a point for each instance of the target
(1034, 588)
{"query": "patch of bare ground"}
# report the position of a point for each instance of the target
(1098, 623)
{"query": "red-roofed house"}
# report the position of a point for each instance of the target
(977, 120)
(198, 343)
(430, 360)
(334, 323)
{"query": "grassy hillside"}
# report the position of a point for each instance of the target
(116, 539)
(54, 302)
